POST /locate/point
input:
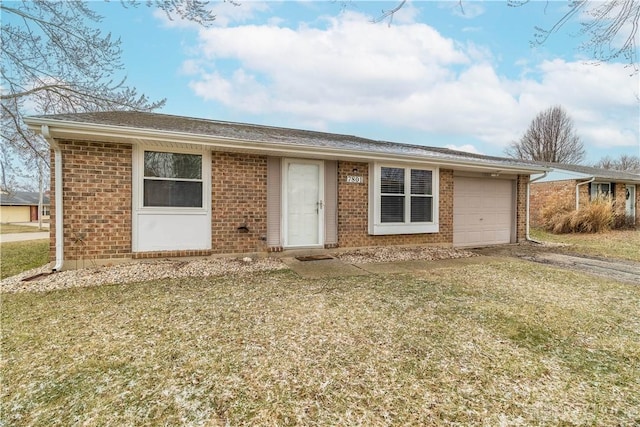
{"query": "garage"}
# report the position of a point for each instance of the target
(483, 211)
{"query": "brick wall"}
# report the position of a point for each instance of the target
(637, 205)
(353, 212)
(97, 200)
(97, 181)
(521, 207)
(238, 197)
(620, 192)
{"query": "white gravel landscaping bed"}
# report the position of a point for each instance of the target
(390, 254)
(139, 271)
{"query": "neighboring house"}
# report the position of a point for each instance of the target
(22, 206)
(142, 185)
(581, 184)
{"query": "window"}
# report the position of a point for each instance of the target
(172, 180)
(600, 189)
(403, 200)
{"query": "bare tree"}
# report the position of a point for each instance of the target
(54, 60)
(549, 138)
(610, 27)
(625, 163)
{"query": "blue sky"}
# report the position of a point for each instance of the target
(433, 76)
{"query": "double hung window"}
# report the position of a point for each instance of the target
(172, 180)
(403, 200)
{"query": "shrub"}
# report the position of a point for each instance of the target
(560, 216)
(620, 218)
(595, 217)
(556, 213)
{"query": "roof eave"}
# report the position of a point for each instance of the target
(59, 129)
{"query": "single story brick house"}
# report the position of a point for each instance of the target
(130, 185)
(581, 184)
(22, 206)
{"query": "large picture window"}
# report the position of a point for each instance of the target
(172, 180)
(404, 201)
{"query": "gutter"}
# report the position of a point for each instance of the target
(57, 165)
(527, 237)
(578, 191)
(132, 135)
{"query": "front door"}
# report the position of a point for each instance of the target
(303, 203)
(630, 202)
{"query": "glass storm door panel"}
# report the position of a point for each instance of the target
(630, 202)
(303, 203)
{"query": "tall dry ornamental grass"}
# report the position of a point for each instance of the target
(560, 216)
(556, 214)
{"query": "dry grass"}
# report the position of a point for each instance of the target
(559, 216)
(17, 228)
(16, 257)
(507, 343)
(622, 244)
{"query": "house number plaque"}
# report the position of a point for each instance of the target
(354, 179)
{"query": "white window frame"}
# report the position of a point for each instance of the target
(595, 194)
(139, 179)
(376, 226)
(188, 221)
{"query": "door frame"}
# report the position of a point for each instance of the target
(632, 200)
(284, 207)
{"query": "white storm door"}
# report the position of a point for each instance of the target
(630, 202)
(303, 203)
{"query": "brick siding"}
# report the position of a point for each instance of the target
(353, 212)
(521, 208)
(97, 180)
(620, 192)
(637, 205)
(97, 200)
(238, 197)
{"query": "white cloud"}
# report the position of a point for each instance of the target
(602, 100)
(406, 76)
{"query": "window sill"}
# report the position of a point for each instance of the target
(386, 229)
(158, 210)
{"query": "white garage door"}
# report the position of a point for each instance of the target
(483, 211)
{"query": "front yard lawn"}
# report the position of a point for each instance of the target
(18, 228)
(501, 343)
(623, 244)
(21, 256)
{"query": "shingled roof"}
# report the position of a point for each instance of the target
(597, 173)
(171, 124)
(22, 198)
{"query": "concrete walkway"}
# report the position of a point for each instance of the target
(623, 271)
(23, 237)
(323, 268)
(336, 268)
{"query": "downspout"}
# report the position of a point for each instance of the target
(57, 165)
(527, 237)
(578, 191)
